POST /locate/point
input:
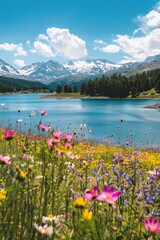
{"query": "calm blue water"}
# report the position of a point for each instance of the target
(141, 126)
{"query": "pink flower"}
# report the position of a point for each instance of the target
(8, 135)
(152, 224)
(51, 143)
(90, 195)
(155, 173)
(108, 194)
(43, 112)
(67, 137)
(43, 127)
(68, 144)
(57, 136)
(5, 160)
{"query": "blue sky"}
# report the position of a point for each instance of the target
(63, 30)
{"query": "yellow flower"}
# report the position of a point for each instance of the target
(80, 202)
(3, 194)
(86, 214)
(22, 175)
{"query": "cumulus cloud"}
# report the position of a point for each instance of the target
(17, 49)
(140, 47)
(112, 48)
(127, 59)
(60, 42)
(43, 49)
(146, 43)
(19, 62)
(99, 41)
(150, 20)
(43, 37)
(66, 44)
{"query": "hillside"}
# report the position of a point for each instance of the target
(16, 85)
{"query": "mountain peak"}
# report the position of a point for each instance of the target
(6, 69)
(152, 58)
(51, 70)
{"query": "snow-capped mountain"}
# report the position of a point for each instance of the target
(28, 70)
(6, 69)
(45, 70)
(52, 70)
(90, 67)
(152, 58)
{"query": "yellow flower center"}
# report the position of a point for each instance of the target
(152, 229)
(108, 196)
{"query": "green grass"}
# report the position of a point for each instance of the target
(67, 95)
(148, 94)
(41, 181)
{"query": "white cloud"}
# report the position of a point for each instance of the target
(124, 61)
(96, 48)
(140, 47)
(28, 43)
(150, 20)
(145, 44)
(43, 37)
(17, 49)
(153, 19)
(112, 48)
(42, 49)
(99, 42)
(19, 62)
(66, 44)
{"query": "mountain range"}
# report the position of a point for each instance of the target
(53, 71)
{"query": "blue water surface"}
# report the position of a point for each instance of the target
(140, 126)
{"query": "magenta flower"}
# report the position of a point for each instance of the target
(57, 136)
(109, 194)
(90, 195)
(67, 137)
(43, 112)
(5, 160)
(68, 144)
(155, 173)
(43, 127)
(152, 224)
(8, 135)
(51, 143)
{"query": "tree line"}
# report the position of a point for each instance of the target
(66, 88)
(120, 86)
(16, 85)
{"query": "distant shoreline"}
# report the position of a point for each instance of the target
(94, 98)
(59, 96)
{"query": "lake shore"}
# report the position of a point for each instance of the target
(78, 96)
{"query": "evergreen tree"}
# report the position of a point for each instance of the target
(75, 89)
(133, 92)
(65, 88)
(90, 88)
(59, 88)
(69, 89)
(157, 87)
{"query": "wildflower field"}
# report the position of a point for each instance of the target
(53, 186)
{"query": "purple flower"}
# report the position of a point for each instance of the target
(91, 194)
(152, 224)
(109, 194)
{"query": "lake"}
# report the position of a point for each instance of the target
(139, 126)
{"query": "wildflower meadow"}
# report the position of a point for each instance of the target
(55, 186)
